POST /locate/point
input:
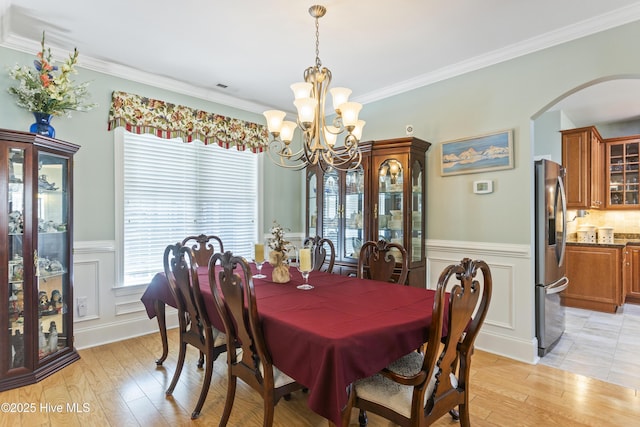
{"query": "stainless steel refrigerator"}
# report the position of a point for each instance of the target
(551, 237)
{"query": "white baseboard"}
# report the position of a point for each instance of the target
(106, 333)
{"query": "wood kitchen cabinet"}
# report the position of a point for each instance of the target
(36, 261)
(632, 274)
(583, 153)
(622, 172)
(383, 199)
(595, 277)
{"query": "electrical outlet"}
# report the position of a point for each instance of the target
(81, 303)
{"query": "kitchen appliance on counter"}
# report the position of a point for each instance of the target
(550, 242)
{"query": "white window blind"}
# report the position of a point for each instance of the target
(172, 190)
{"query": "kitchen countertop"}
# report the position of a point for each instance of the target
(619, 241)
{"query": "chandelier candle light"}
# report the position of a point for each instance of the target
(319, 138)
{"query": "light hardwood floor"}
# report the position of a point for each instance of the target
(119, 385)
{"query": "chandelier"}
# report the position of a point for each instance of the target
(318, 136)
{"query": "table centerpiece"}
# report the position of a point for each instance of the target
(278, 255)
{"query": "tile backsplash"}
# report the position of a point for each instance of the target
(623, 222)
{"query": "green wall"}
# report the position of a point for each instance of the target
(94, 205)
(503, 96)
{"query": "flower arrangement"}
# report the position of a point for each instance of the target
(41, 90)
(278, 254)
(278, 242)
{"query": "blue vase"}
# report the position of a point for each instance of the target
(42, 125)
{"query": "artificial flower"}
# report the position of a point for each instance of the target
(42, 90)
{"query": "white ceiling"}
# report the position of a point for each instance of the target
(259, 47)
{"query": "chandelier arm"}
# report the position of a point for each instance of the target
(285, 159)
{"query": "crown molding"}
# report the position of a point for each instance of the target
(581, 29)
(11, 41)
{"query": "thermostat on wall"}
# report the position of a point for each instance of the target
(483, 187)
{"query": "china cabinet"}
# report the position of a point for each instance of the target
(583, 159)
(384, 198)
(36, 320)
(622, 172)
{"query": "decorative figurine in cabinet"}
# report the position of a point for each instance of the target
(381, 199)
(36, 329)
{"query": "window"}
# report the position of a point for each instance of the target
(169, 190)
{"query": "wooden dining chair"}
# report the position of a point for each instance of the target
(383, 261)
(195, 328)
(231, 283)
(204, 246)
(419, 388)
(323, 249)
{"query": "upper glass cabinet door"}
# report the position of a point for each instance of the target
(52, 268)
(312, 203)
(390, 203)
(417, 212)
(331, 205)
(353, 212)
(16, 288)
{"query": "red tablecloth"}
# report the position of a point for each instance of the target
(326, 338)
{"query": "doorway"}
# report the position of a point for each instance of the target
(597, 345)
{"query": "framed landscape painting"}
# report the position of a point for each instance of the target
(482, 153)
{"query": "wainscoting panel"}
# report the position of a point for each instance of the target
(113, 314)
(509, 326)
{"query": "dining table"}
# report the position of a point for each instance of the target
(325, 338)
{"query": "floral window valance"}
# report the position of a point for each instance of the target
(165, 120)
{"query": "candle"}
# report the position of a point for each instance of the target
(305, 259)
(259, 252)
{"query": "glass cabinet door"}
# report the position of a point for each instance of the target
(52, 257)
(331, 205)
(16, 288)
(312, 203)
(623, 174)
(353, 212)
(390, 202)
(416, 212)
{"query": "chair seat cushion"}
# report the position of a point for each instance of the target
(219, 338)
(388, 393)
(279, 378)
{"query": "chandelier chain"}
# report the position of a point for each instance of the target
(318, 62)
